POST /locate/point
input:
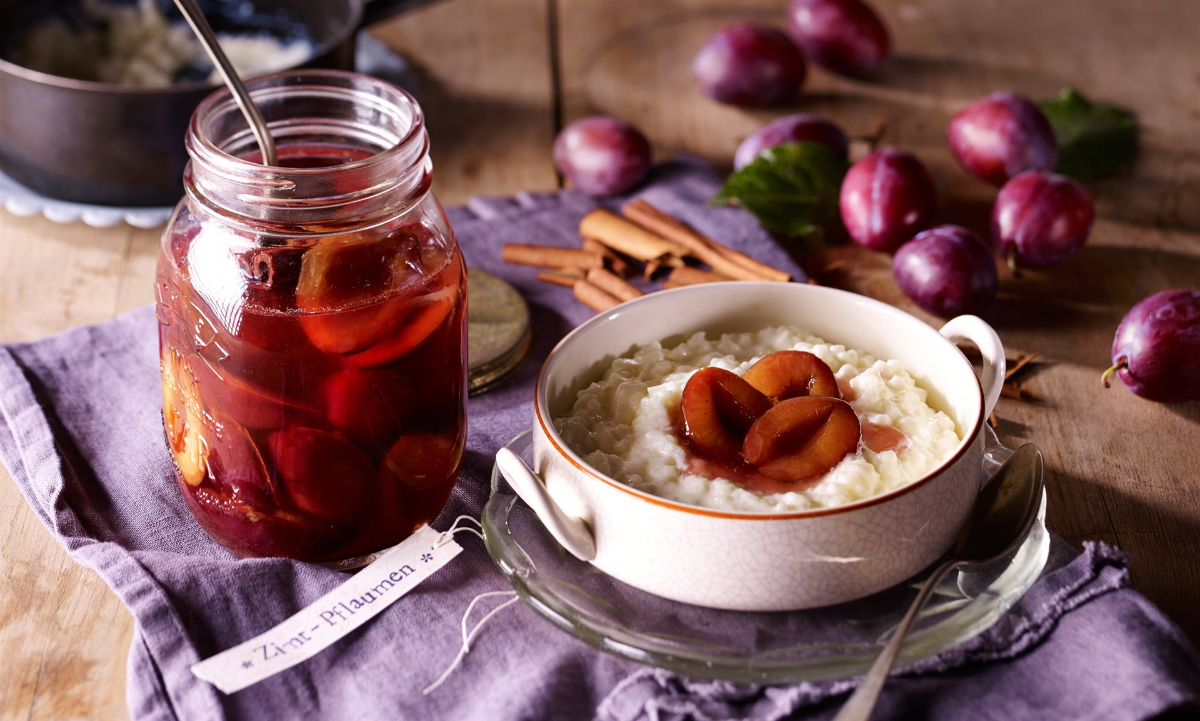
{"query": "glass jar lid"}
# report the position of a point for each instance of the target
(499, 336)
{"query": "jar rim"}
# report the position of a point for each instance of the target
(202, 148)
(348, 109)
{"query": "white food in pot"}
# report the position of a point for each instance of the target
(622, 425)
(137, 45)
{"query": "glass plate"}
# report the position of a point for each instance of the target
(778, 647)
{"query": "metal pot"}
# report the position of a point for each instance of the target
(108, 144)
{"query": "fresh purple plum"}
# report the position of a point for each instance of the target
(800, 128)
(887, 198)
(1001, 136)
(947, 270)
(1041, 219)
(602, 156)
(1156, 351)
(845, 36)
(749, 65)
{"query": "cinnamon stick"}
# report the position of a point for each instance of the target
(686, 275)
(1021, 363)
(550, 256)
(625, 237)
(615, 262)
(723, 259)
(566, 277)
(594, 297)
(608, 282)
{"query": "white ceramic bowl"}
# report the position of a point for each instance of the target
(760, 561)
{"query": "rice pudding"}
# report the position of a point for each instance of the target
(628, 426)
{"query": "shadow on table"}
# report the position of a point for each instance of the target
(1163, 543)
(466, 130)
(1088, 294)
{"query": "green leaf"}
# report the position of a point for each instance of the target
(1093, 140)
(792, 189)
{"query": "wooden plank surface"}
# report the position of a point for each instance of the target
(485, 84)
(1120, 468)
(496, 79)
(484, 81)
(64, 636)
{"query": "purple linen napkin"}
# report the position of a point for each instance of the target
(1081, 644)
(80, 432)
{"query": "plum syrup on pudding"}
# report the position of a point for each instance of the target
(773, 421)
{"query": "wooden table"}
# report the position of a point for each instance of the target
(498, 78)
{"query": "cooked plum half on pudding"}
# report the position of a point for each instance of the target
(802, 438)
(686, 422)
(790, 374)
(784, 417)
(718, 407)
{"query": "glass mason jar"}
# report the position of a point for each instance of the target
(312, 320)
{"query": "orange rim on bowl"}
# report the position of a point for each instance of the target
(552, 435)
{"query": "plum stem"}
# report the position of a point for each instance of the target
(876, 136)
(1011, 260)
(1108, 373)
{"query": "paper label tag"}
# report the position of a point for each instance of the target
(334, 615)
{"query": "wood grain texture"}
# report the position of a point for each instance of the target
(64, 636)
(1121, 468)
(497, 77)
(485, 84)
(484, 80)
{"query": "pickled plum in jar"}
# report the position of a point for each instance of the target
(312, 328)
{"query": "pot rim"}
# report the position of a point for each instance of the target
(541, 413)
(175, 89)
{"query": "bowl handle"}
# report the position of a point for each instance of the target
(571, 532)
(975, 330)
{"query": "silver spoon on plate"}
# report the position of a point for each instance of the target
(1003, 514)
(208, 39)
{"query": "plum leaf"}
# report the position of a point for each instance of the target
(792, 189)
(1093, 139)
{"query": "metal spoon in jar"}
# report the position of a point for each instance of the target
(208, 39)
(1003, 514)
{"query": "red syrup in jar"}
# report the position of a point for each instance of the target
(313, 391)
(312, 155)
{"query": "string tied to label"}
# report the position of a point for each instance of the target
(468, 526)
(454, 528)
(467, 637)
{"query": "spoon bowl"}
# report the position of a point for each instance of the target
(1004, 512)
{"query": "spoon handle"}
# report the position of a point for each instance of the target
(208, 39)
(862, 702)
